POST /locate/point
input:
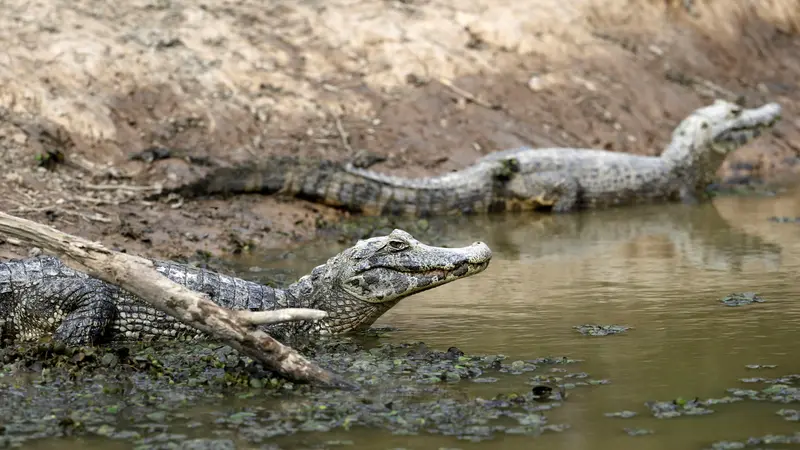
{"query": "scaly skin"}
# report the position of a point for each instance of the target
(42, 296)
(565, 179)
(479, 190)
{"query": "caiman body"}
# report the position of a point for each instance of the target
(558, 179)
(42, 296)
(565, 179)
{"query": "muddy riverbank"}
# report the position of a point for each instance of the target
(228, 83)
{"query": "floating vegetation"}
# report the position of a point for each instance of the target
(207, 396)
(638, 431)
(145, 394)
(601, 330)
(770, 439)
(760, 366)
(783, 389)
(741, 299)
(678, 407)
(791, 415)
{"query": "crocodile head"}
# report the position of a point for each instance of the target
(358, 285)
(709, 134)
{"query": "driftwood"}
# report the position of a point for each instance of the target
(139, 276)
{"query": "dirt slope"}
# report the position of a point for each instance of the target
(230, 81)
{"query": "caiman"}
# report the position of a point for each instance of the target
(42, 296)
(557, 179)
(565, 179)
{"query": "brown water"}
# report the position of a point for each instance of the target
(659, 269)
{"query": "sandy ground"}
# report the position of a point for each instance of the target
(233, 80)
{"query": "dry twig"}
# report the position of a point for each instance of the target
(343, 134)
(469, 96)
(96, 217)
(139, 276)
(119, 187)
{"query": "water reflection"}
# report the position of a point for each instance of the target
(697, 234)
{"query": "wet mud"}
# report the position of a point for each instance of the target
(143, 394)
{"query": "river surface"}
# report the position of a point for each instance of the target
(661, 270)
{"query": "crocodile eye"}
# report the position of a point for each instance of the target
(397, 245)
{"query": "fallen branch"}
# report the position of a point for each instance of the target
(139, 276)
(280, 316)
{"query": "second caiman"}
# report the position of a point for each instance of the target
(556, 179)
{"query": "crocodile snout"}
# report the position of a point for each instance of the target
(479, 253)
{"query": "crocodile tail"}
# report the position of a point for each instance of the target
(336, 185)
(235, 180)
(268, 176)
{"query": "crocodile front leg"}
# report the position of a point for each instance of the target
(41, 297)
(89, 313)
(557, 191)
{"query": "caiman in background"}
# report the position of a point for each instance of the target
(523, 179)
